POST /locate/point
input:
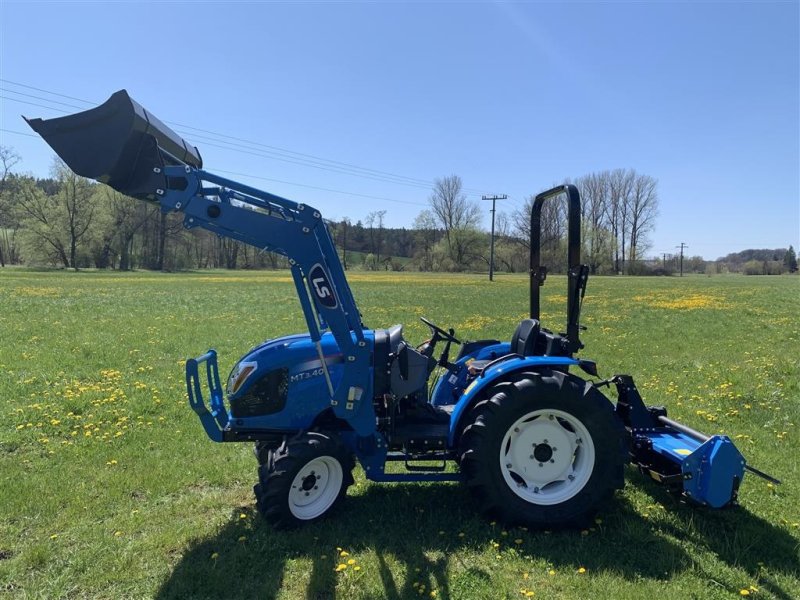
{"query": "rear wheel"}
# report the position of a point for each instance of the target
(545, 450)
(303, 480)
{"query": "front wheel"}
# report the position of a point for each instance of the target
(545, 450)
(304, 480)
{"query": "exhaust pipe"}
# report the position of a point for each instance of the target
(118, 143)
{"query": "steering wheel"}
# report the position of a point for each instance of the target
(447, 335)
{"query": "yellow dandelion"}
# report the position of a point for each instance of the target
(551, 572)
(744, 592)
(352, 561)
(582, 570)
(242, 516)
(242, 538)
(344, 553)
(54, 536)
(214, 555)
(356, 568)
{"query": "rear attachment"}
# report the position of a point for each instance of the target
(118, 143)
(707, 470)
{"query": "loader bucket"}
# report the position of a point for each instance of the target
(118, 143)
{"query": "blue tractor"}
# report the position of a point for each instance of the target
(519, 422)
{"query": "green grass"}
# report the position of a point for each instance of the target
(109, 487)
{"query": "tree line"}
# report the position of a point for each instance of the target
(68, 221)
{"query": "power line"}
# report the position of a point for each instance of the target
(30, 87)
(231, 172)
(260, 153)
(19, 133)
(303, 185)
(297, 158)
(39, 98)
(227, 145)
(314, 187)
(33, 104)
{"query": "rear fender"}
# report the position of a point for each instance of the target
(494, 374)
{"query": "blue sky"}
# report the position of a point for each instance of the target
(513, 97)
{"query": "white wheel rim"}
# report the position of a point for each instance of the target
(315, 487)
(547, 457)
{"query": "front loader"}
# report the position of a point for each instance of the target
(520, 422)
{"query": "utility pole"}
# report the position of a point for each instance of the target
(493, 198)
(665, 260)
(682, 246)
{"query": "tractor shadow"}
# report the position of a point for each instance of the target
(418, 529)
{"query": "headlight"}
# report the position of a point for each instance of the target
(239, 375)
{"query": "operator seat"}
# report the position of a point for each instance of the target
(523, 342)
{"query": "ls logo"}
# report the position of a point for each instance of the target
(322, 286)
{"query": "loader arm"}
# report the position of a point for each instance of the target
(297, 231)
(121, 144)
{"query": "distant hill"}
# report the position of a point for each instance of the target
(738, 258)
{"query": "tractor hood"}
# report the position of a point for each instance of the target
(295, 354)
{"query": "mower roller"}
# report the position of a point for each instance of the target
(535, 442)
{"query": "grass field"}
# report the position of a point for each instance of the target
(109, 487)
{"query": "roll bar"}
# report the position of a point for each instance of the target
(577, 274)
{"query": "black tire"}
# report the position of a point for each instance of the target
(264, 452)
(508, 405)
(278, 494)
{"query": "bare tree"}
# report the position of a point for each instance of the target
(373, 220)
(457, 217)
(594, 190)
(619, 188)
(75, 201)
(643, 209)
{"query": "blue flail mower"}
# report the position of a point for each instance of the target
(706, 469)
